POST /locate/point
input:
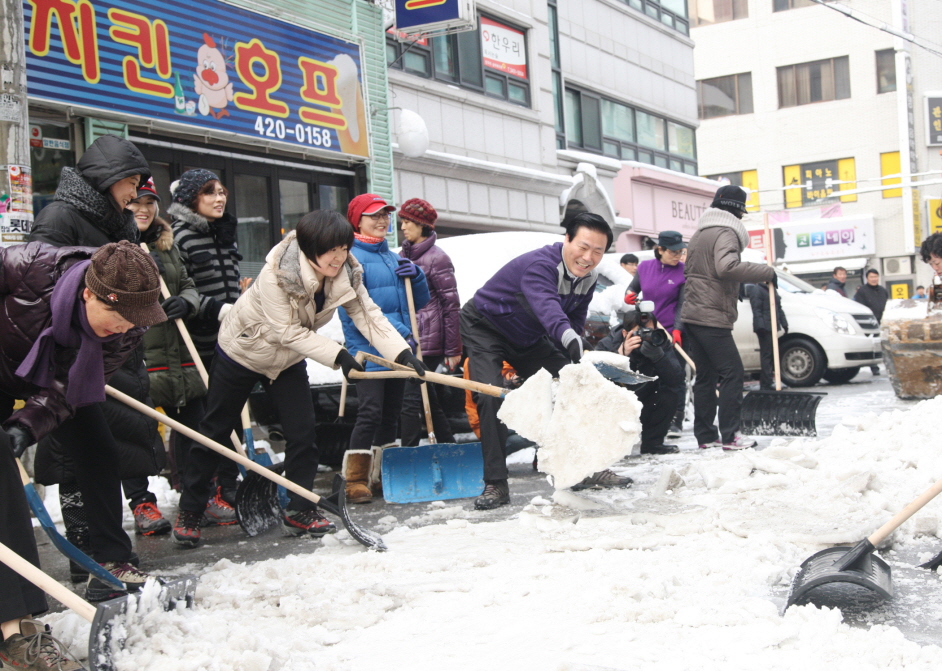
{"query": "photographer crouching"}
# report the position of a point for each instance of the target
(648, 346)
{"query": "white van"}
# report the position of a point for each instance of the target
(828, 335)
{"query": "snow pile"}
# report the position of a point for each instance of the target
(904, 309)
(610, 301)
(592, 424)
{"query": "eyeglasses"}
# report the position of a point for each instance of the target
(378, 216)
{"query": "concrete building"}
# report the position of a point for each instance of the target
(792, 93)
(594, 83)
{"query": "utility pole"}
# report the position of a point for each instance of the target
(905, 110)
(16, 184)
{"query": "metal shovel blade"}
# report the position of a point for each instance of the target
(779, 413)
(855, 566)
(620, 375)
(336, 504)
(436, 472)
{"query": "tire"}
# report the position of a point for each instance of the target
(803, 362)
(841, 375)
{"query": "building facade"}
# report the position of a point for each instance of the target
(545, 101)
(817, 113)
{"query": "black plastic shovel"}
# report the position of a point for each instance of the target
(857, 565)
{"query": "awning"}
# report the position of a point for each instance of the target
(814, 267)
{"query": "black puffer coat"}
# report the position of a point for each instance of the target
(762, 308)
(84, 213)
(28, 274)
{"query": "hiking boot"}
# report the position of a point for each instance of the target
(228, 494)
(36, 649)
(310, 522)
(712, 443)
(740, 442)
(218, 512)
(149, 522)
(606, 479)
(675, 431)
(495, 494)
(97, 590)
(186, 531)
(659, 449)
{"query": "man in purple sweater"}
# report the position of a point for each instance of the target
(531, 314)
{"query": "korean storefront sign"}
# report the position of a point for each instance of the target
(832, 238)
(934, 206)
(430, 16)
(815, 182)
(205, 63)
(503, 48)
(934, 119)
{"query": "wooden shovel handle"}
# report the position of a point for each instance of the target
(46, 583)
(212, 444)
(877, 536)
(773, 308)
(418, 354)
(437, 378)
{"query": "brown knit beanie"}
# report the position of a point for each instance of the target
(419, 212)
(124, 277)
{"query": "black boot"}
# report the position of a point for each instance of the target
(496, 494)
(76, 527)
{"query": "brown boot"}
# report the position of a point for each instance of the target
(356, 471)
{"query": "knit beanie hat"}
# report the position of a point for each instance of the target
(730, 198)
(125, 277)
(419, 212)
(184, 190)
(148, 189)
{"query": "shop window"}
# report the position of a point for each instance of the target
(672, 13)
(820, 182)
(814, 82)
(706, 12)
(295, 203)
(491, 60)
(890, 165)
(783, 5)
(334, 198)
(747, 179)
(612, 128)
(253, 193)
(725, 96)
(886, 71)
(50, 150)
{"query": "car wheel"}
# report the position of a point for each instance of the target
(803, 362)
(841, 375)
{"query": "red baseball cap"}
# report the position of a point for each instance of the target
(148, 189)
(367, 203)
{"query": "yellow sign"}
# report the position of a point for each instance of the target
(899, 291)
(935, 215)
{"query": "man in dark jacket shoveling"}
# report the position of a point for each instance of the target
(531, 314)
(715, 271)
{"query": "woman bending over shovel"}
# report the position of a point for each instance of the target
(266, 338)
(70, 317)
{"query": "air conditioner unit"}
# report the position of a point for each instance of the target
(896, 266)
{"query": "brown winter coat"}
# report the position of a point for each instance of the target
(714, 270)
(274, 324)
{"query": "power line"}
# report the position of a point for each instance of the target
(857, 15)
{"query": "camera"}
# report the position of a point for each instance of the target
(657, 337)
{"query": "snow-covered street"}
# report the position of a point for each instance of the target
(694, 576)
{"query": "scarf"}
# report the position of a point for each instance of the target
(368, 239)
(69, 328)
(716, 218)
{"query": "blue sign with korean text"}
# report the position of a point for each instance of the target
(413, 13)
(204, 63)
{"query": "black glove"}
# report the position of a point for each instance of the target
(575, 350)
(20, 439)
(160, 264)
(407, 358)
(774, 281)
(347, 363)
(175, 307)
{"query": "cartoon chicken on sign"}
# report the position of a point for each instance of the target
(211, 81)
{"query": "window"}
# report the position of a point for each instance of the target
(724, 96)
(814, 82)
(748, 179)
(783, 5)
(672, 13)
(886, 71)
(705, 12)
(491, 60)
(815, 183)
(605, 126)
(890, 165)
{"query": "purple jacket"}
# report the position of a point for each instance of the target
(662, 284)
(438, 320)
(534, 295)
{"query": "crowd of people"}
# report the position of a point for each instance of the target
(108, 292)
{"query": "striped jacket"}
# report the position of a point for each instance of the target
(211, 256)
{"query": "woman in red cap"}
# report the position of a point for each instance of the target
(384, 273)
(438, 321)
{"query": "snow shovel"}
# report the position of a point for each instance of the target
(857, 565)
(777, 413)
(106, 632)
(433, 472)
(336, 503)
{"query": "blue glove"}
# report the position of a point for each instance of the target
(407, 269)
